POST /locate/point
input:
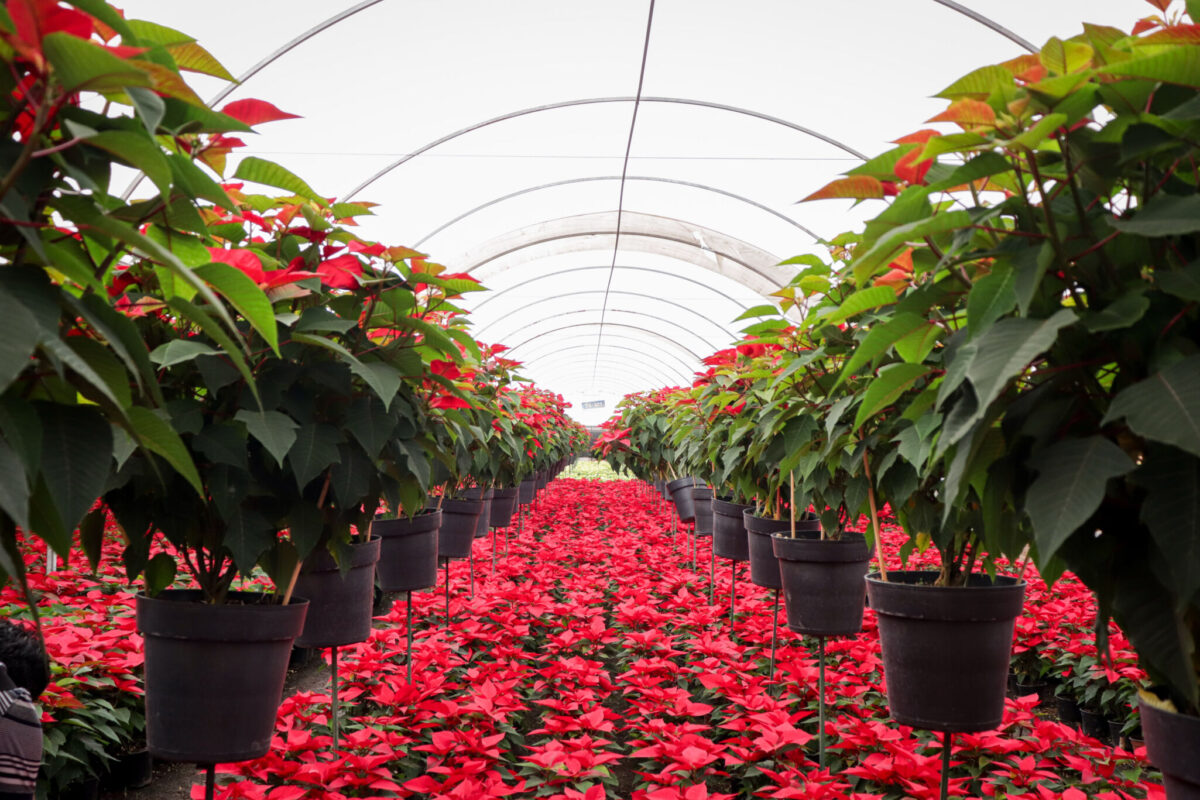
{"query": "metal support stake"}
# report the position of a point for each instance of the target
(471, 560)
(821, 694)
(408, 630)
(51, 560)
(494, 549)
(732, 596)
(210, 781)
(446, 564)
(333, 679)
(947, 742)
(712, 573)
(774, 632)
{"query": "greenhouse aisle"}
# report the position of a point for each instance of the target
(590, 664)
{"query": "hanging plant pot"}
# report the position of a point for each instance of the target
(408, 551)
(526, 491)
(1172, 742)
(664, 489)
(543, 478)
(681, 493)
(764, 567)
(459, 518)
(729, 530)
(702, 501)
(484, 520)
(823, 587)
(504, 504)
(946, 649)
(339, 604)
(214, 673)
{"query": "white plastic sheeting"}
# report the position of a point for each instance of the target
(399, 75)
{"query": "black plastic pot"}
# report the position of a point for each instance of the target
(665, 490)
(702, 497)
(729, 530)
(504, 503)
(132, 770)
(526, 491)
(408, 551)
(681, 493)
(214, 673)
(764, 567)
(543, 478)
(1068, 712)
(339, 604)
(946, 650)
(459, 518)
(823, 586)
(484, 520)
(1093, 724)
(1040, 688)
(1115, 734)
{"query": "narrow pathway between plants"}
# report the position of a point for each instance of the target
(590, 664)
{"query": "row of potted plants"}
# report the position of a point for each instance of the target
(1006, 355)
(238, 378)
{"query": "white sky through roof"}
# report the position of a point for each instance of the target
(403, 73)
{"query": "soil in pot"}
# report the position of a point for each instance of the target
(702, 507)
(214, 673)
(459, 518)
(946, 650)
(729, 530)
(339, 602)
(408, 551)
(823, 587)
(764, 567)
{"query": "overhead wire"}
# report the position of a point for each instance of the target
(637, 101)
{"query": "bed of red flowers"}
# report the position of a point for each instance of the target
(590, 664)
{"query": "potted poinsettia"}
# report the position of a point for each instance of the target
(1070, 367)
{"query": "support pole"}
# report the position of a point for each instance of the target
(821, 697)
(712, 573)
(408, 630)
(333, 679)
(774, 632)
(210, 781)
(471, 560)
(446, 567)
(51, 560)
(947, 742)
(732, 596)
(494, 549)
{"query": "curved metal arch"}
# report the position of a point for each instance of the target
(621, 384)
(647, 331)
(641, 356)
(617, 366)
(643, 360)
(988, 22)
(688, 331)
(593, 226)
(614, 375)
(493, 293)
(594, 101)
(683, 366)
(653, 297)
(320, 27)
(589, 179)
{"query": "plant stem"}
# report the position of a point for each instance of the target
(874, 518)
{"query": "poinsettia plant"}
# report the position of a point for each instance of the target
(79, 390)
(1049, 244)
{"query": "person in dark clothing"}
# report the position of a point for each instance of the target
(24, 673)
